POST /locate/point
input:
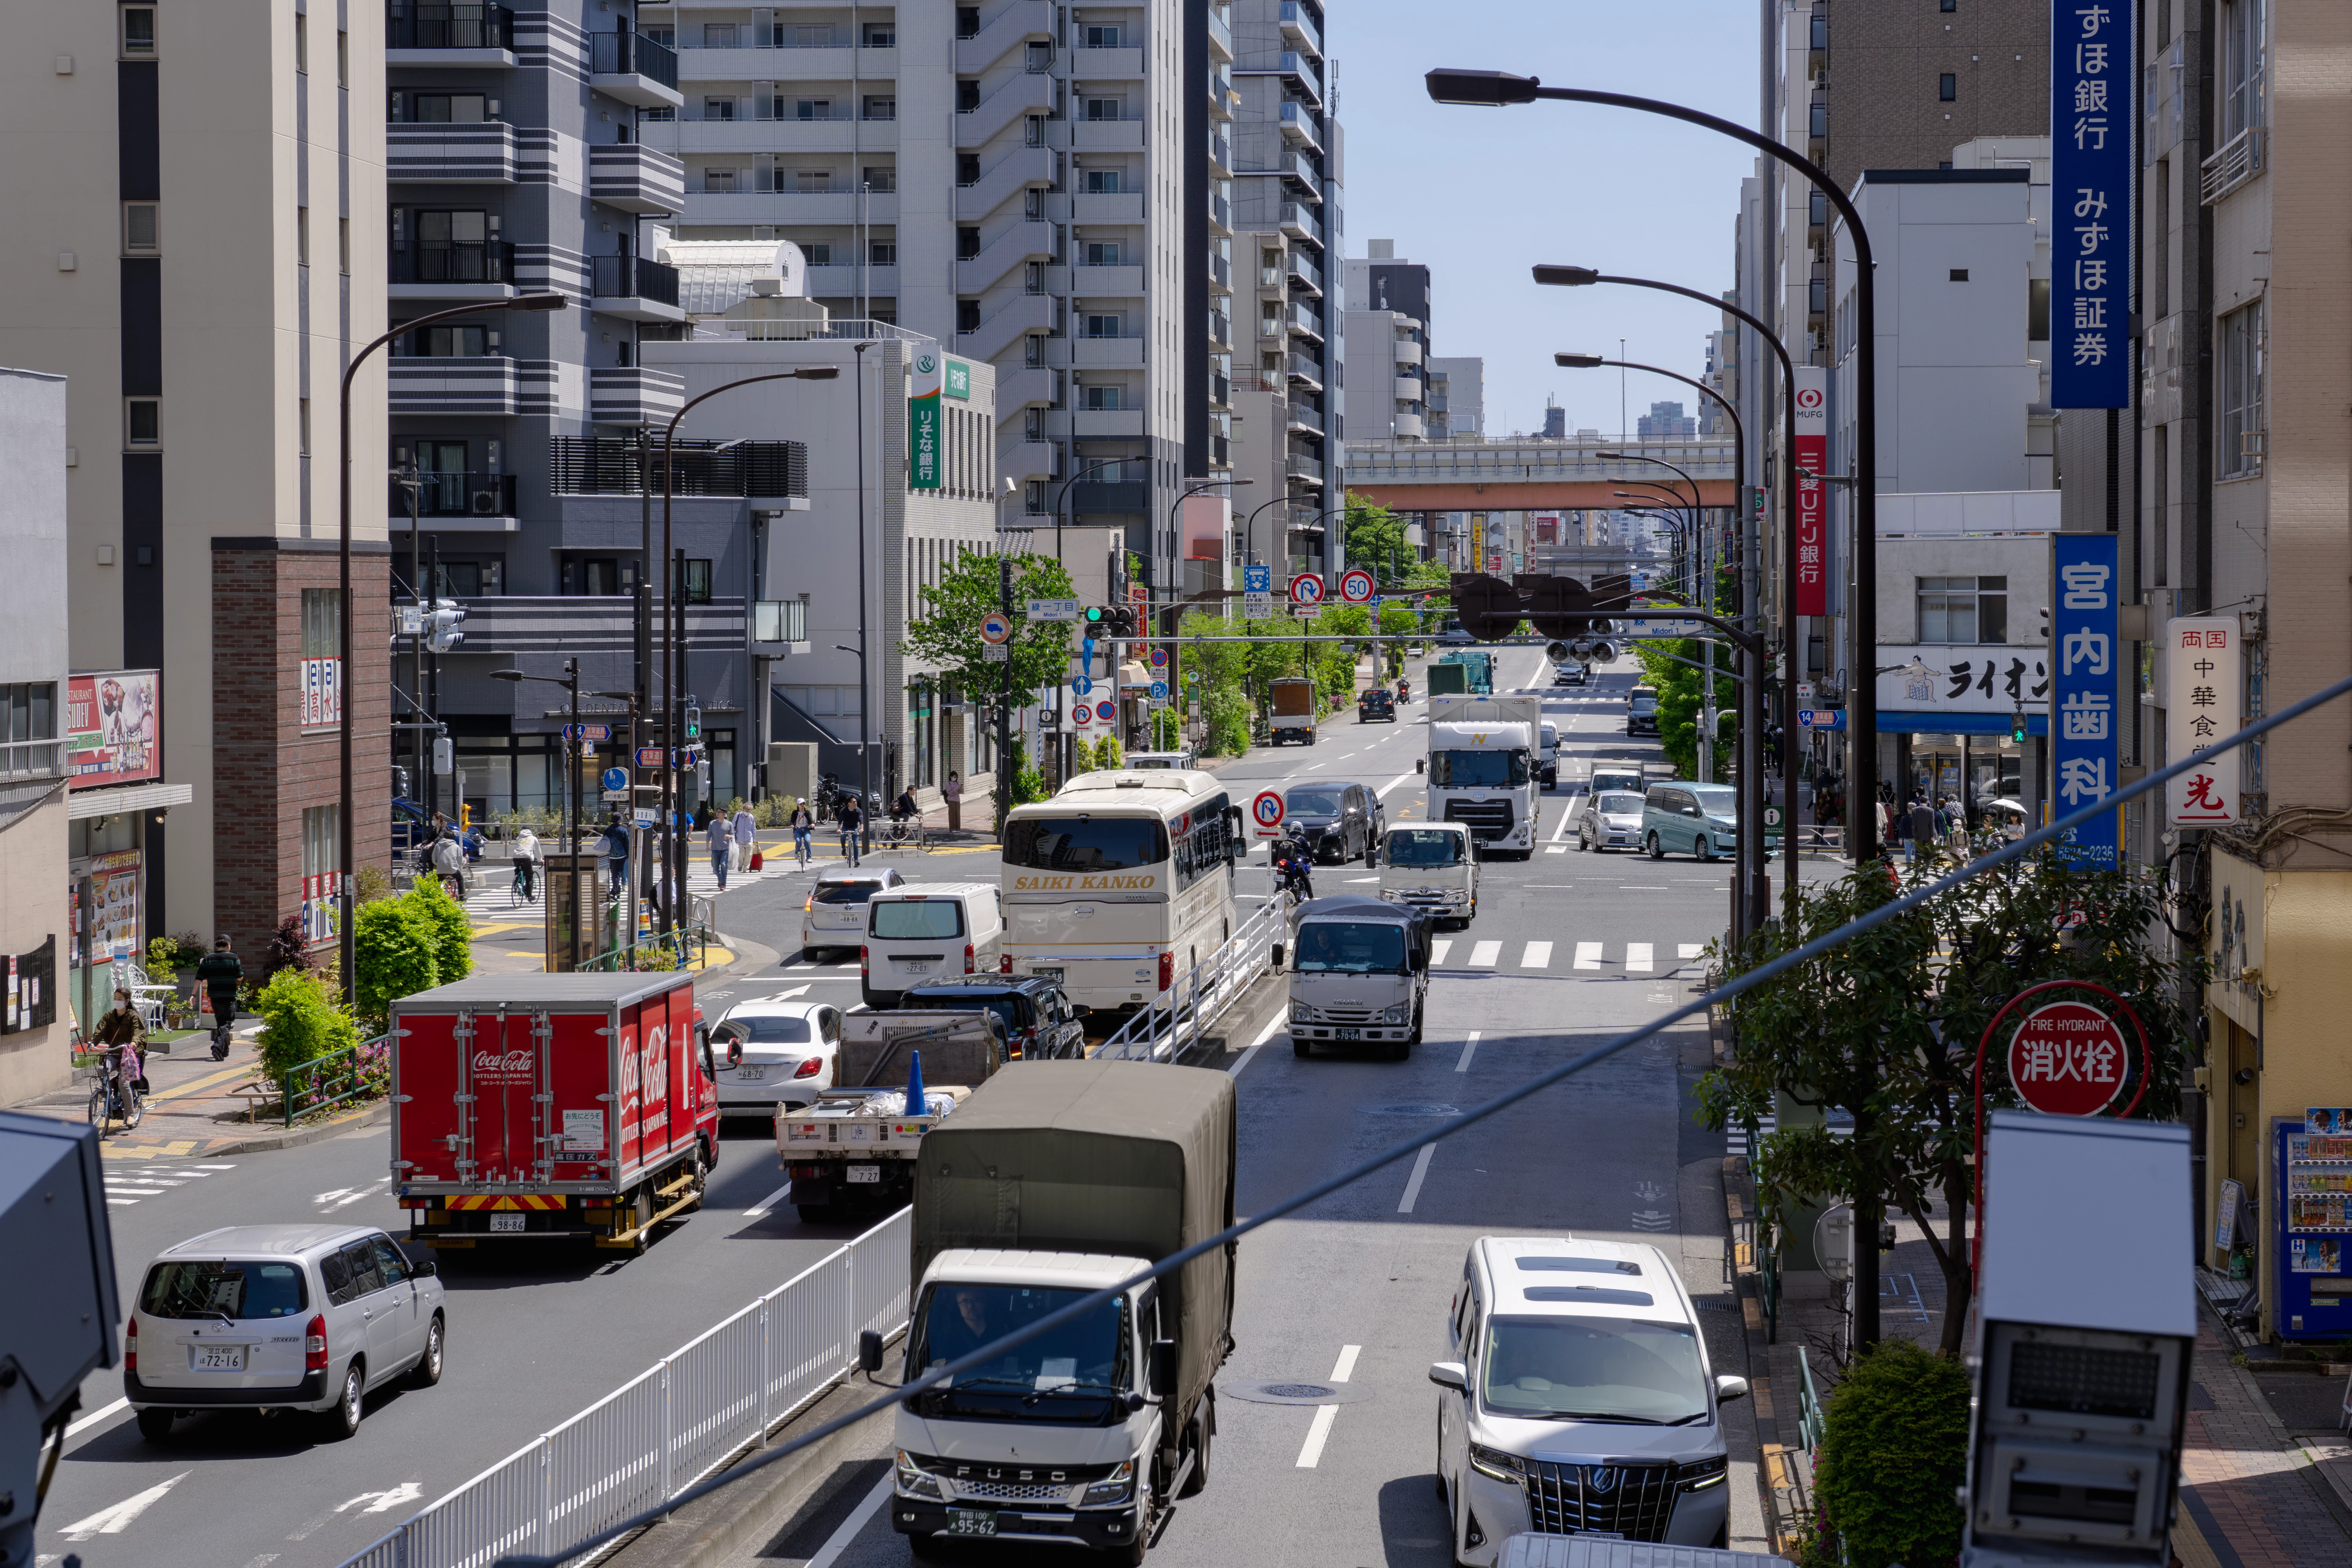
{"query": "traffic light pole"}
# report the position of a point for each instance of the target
(1005, 769)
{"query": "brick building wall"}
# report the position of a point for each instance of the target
(1884, 62)
(269, 768)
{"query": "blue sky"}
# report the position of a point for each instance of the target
(1481, 194)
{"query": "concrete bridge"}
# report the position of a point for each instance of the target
(1527, 475)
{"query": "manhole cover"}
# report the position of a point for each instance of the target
(1413, 1108)
(1298, 1392)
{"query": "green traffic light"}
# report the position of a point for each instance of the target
(1094, 614)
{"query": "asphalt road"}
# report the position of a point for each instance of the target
(1567, 947)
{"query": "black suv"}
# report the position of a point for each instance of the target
(1378, 703)
(1040, 1022)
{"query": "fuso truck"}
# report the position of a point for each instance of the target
(1055, 1180)
(1484, 768)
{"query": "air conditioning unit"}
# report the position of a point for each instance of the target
(486, 503)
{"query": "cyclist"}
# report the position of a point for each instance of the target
(218, 973)
(120, 1037)
(449, 863)
(526, 865)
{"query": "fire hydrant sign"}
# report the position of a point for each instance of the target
(2068, 1059)
(2202, 677)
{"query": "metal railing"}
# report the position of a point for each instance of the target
(440, 494)
(491, 261)
(627, 52)
(1808, 1406)
(680, 1420)
(336, 1078)
(31, 759)
(1174, 1022)
(653, 953)
(426, 26)
(633, 277)
(2240, 158)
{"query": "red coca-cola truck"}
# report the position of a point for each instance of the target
(531, 1106)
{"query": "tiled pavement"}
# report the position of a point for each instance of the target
(2259, 1491)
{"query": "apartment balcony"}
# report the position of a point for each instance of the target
(1272, 328)
(1095, 496)
(836, 131)
(1124, 134)
(1221, 330)
(447, 154)
(1304, 275)
(1299, 29)
(1107, 353)
(1019, 244)
(1221, 214)
(1221, 275)
(1305, 418)
(1022, 461)
(634, 289)
(1016, 27)
(1300, 223)
(845, 282)
(1298, 126)
(1408, 427)
(482, 500)
(633, 68)
(1409, 389)
(1302, 73)
(1310, 469)
(1107, 424)
(1221, 390)
(1222, 100)
(1304, 324)
(1221, 155)
(1028, 93)
(1221, 40)
(448, 36)
(488, 384)
(1405, 352)
(764, 207)
(771, 474)
(1107, 206)
(1307, 373)
(1105, 64)
(635, 178)
(1107, 282)
(1293, 166)
(634, 396)
(1031, 386)
(1022, 170)
(752, 63)
(453, 273)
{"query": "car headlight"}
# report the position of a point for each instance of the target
(1301, 1013)
(1399, 1014)
(915, 1481)
(1115, 1488)
(1701, 1474)
(1494, 1462)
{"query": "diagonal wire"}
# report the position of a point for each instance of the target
(1770, 970)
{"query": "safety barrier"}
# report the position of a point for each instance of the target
(1174, 1022)
(683, 1418)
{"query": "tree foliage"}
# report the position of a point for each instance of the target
(396, 950)
(1893, 1452)
(302, 1021)
(947, 634)
(453, 933)
(1375, 537)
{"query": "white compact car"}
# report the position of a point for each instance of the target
(774, 1053)
(835, 915)
(1612, 820)
(1578, 1399)
(281, 1317)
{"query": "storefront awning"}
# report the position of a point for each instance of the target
(123, 799)
(1957, 723)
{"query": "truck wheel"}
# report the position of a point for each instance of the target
(1204, 1428)
(155, 1424)
(928, 1548)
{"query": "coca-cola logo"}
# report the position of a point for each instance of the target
(508, 1064)
(644, 1074)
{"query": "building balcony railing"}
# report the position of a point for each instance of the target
(605, 466)
(779, 620)
(492, 262)
(1299, 222)
(1297, 122)
(408, 25)
(636, 178)
(632, 395)
(31, 759)
(436, 385)
(1304, 271)
(451, 154)
(441, 495)
(1302, 468)
(632, 278)
(1220, 34)
(1300, 27)
(634, 68)
(2240, 158)
(1304, 368)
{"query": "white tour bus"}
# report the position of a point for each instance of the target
(1121, 882)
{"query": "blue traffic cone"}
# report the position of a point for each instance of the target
(917, 1104)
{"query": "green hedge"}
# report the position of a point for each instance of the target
(302, 1021)
(452, 933)
(397, 946)
(1893, 1453)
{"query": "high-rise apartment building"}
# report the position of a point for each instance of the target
(198, 246)
(1666, 422)
(1457, 398)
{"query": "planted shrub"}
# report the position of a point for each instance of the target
(396, 949)
(1893, 1451)
(300, 1021)
(453, 933)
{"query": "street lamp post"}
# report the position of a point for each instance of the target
(674, 622)
(570, 681)
(1573, 277)
(644, 870)
(1498, 89)
(346, 834)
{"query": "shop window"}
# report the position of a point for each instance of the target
(321, 860)
(1963, 609)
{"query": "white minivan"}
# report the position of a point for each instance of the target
(924, 929)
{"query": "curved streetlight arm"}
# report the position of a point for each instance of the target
(1063, 494)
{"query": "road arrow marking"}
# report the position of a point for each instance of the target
(384, 1501)
(116, 1520)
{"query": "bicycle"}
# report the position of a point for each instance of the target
(524, 890)
(114, 1096)
(905, 833)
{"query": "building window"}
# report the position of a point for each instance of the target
(142, 228)
(810, 181)
(694, 581)
(881, 36)
(813, 108)
(880, 178)
(28, 730)
(882, 253)
(1950, 6)
(142, 421)
(967, 315)
(1101, 326)
(1102, 253)
(1948, 86)
(1102, 38)
(458, 341)
(342, 58)
(2245, 26)
(2242, 392)
(1102, 398)
(1106, 109)
(967, 242)
(718, 109)
(138, 32)
(719, 35)
(301, 42)
(818, 253)
(720, 181)
(1963, 609)
(320, 677)
(1102, 182)
(878, 107)
(322, 842)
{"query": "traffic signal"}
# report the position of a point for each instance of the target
(1093, 620)
(2017, 727)
(1488, 607)
(1119, 621)
(693, 724)
(441, 633)
(445, 756)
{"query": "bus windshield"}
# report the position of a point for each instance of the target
(1477, 770)
(1081, 842)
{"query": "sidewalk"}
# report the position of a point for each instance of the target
(2266, 1475)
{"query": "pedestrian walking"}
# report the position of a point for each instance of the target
(803, 822)
(616, 845)
(220, 971)
(952, 793)
(1923, 829)
(719, 837)
(851, 821)
(747, 835)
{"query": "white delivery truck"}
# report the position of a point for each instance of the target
(1358, 970)
(1484, 768)
(1432, 867)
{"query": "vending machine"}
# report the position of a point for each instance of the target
(2313, 1297)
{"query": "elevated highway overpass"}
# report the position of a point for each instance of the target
(1528, 475)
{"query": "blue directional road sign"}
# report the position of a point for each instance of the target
(1081, 684)
(616, 778)
(1257, 579)
(1820, 718)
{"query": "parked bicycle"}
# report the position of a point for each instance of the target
(114, 1097)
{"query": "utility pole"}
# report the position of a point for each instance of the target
(1004, 770)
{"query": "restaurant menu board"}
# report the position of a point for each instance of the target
(2314, 1174)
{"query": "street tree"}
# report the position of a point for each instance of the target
(1375, 537)
(947, 633)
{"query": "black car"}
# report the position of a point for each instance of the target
(1341, 821)
(1379, 702)
(1040, 1022)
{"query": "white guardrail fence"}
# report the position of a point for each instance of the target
(1174, 1021)
(686, 1416)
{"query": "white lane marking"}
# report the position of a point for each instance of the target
(1273, 1026)
(784, 996)
(1437, 949)
(1346, 1364)
(1639, 957)
(156, 1182)
(1537, 956)
(1394, 782)
(855, 1525)
(95, 1416)
(212, 1167)
(1556, 850)
(1588, 956)
(122, 1203)
(114, 1520)
(1689, 949)
(1640, 887)
(1317, 1435)
(1560, 832)
(1469, 1048)
(767, 1205)
(371, 1190)
(1412, 1182)
(1486, 955)
(386, 1501)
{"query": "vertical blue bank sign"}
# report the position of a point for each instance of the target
(2090, 203)
(2082, 718)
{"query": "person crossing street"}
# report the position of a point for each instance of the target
(719, 837)
(747, 835)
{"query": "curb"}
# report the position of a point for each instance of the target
(285, 1138)
(1778, 1479)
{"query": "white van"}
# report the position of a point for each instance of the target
(925, 929)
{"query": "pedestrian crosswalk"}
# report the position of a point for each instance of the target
(1636, 957)
(126, 1186)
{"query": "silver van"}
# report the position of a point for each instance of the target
(1577, 1398)
(281, 1317)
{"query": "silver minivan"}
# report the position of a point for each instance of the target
(281, 1317)
(1577, 1398)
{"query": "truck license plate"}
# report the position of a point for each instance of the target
(506, 1222)
(220, 1358)
(1351, 1034)
(871, 1175)
(971, 1521)
(1048, 974)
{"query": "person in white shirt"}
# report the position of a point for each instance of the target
(747, 832)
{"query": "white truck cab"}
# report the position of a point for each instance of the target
(1484, 768)
(1432, 867)
(1359, 973)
